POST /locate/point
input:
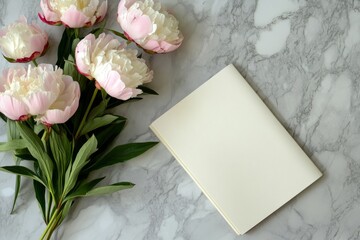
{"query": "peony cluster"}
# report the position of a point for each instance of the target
(50, 96)
(43, 92)
(39, 97)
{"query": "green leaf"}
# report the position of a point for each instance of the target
(17, 189)
(61, 150)
(80, 161)
(10, 60)
(23, 171)
(74, 44)
(37, 150)
(24, 154)
(110, 189)
(107, 134)
(12, 131)
(147, 90)
(97, 122)
(119, 34)
(12, 145)
(64, 48)
(69, 67)
(83, 189)
(116, 102)
(40, 197)
(99, 109)
(3, 117)
(122, 153)
(65, 210)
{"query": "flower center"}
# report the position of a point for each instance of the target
(63, 5)
(24, 85)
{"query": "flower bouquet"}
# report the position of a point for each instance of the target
(59, 116)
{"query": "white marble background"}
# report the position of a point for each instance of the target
(303, 59)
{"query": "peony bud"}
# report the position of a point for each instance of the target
(116, 69)
(37, 91)
(73, 13)
(152, 28)
(23, 42)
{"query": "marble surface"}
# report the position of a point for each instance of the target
(302, 57)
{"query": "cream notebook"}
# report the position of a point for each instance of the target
(235, 150)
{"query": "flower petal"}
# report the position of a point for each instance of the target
(101, 11)
(12, 108)
(74, 18)
(48, 16)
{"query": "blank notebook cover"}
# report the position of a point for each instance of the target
(236, 151)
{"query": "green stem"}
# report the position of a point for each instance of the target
(45, 234)
(86, 113)
(34, 62)
(49, 207)
(76, 31)
(54, 226)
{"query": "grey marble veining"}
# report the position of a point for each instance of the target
(302, 57)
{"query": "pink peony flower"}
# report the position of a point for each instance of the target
(149, 26)
(116, 69)
(23, 42)
(65, 105)
(38, 91)
(73, 13)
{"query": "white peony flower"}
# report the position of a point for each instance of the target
(116, 69)
(38, 91)
(73, 13)
(149, 26)
(23, 42)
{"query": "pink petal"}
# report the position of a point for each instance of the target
(82, 54)
(48, 15)
(38, 43)
(161, 46)
(74, 18)
(127, 94)
(101, 11)
(66, 105)
(112, 84)
(38, 102)
(12, 108)
(139, 26)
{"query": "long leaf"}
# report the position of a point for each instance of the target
(98, 122)
(24, 154)
(3, 117)
(40, 197)
(122, 153)
(23, 171)
(109, 189)
(116, 102)
(147, 90)
(13, 133)
(64, 48)
(108, 133)
(12, 145)
(37, 150)
(119, 34)
(83, 189)
(17, 190)
(80, 161)
(99, 109)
